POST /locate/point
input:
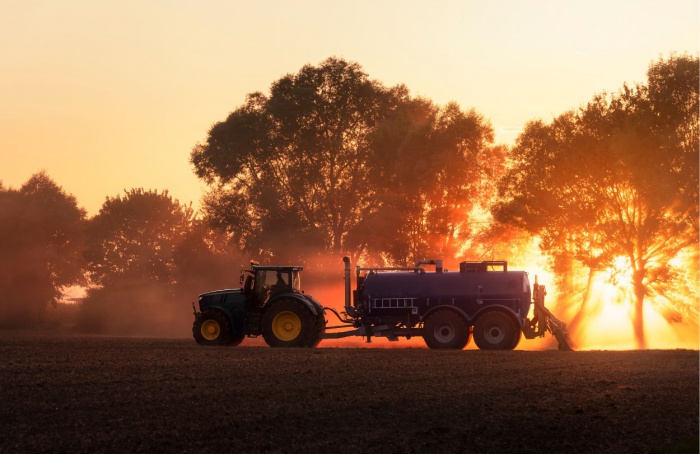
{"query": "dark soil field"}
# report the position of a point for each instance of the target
(98, 394)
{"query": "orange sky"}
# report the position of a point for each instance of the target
(111, 95)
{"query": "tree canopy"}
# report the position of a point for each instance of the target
(333, 161)
(618, 177)
(147, 253)
(135, 236)
(41, 238)
(285, 167)
(431, 168)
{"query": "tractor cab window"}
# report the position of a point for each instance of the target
(271, 282)
(279, 281)
(296, 281)
(261, 281)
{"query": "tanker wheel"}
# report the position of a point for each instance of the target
(212, 328)
(446, 329)
(516, 338)
(496, 331)
(289, 323)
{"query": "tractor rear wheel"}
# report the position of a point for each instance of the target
(496, 331)
(446, 329)
(212, 328)
(320, 329)
(289, 323)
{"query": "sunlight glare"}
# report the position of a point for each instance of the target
(607, 323)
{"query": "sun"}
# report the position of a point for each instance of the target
(607, 319)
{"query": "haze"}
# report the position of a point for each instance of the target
(106, 96)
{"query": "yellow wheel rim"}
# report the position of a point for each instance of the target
(286, 326)
(210, 329)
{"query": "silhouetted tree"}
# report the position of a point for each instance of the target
(132, 245)
(616, 178)
(41, 239)
(546, 194)
(205, 260)
(134, 237)
(287, 169)
(429, 167)
(333, 161)
(148, 258)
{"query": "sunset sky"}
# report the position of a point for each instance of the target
(112, 95)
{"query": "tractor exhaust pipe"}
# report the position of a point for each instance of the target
(349, 315)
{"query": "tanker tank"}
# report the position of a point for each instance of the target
(470, 290)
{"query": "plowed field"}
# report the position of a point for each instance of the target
(99, 394)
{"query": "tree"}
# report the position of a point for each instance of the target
(288, 166)
(430, 167)
(134, 237)
(616, 178)
(41, 238)
(204, 259)
(147, 256)
(132, 244)
(335, 162)
(652, 191)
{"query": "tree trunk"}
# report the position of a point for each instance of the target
(638, 313)
(581, 313)
(564, 269)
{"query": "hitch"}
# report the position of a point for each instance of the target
(543, 320)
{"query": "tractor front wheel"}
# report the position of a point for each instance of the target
(212, 328)
(289, 323)
(446, 329)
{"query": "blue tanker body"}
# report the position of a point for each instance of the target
(483, 300)
(418, 293)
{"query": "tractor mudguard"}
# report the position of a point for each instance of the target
(313, 305)
(319, 306)
(238, 319)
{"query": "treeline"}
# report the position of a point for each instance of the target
(333, 163)
(617, 181)
(331, 160)
(140, 257)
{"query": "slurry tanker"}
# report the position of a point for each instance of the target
(484, 300)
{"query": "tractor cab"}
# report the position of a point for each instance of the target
(263, 282)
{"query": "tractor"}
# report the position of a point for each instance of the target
(268, 303)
